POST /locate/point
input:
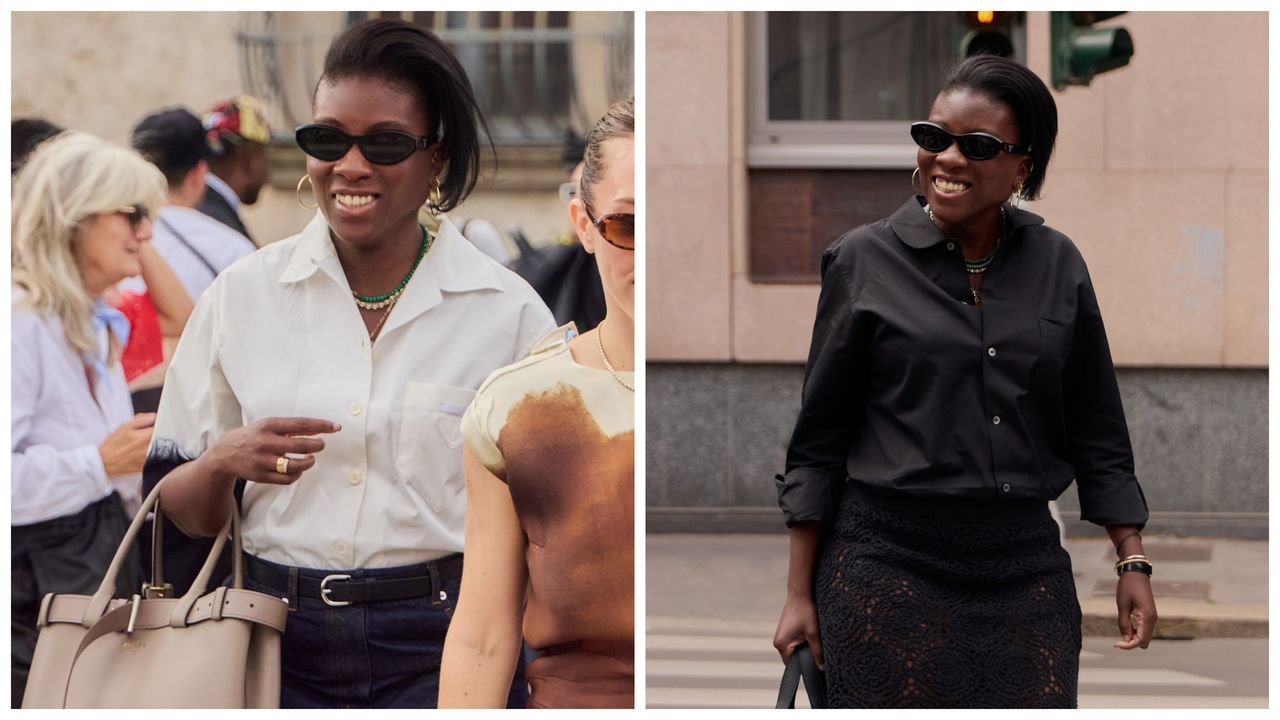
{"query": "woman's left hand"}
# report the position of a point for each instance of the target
(1137, 610)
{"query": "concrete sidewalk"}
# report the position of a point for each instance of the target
(1205, 587)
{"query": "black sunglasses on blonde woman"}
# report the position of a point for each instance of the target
(135, 214)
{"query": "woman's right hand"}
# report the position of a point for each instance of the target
(125, 449)
(251, 452)
(798, 624)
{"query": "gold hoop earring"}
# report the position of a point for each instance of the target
(433, 199)
(915, 174)
(298, 193)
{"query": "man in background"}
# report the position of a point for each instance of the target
(562, 272)
(26, 134)
(237, 135)
(196, 246)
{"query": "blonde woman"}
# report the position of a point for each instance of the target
(79, 225)
(549, 461)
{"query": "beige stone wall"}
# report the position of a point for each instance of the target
(101, 72)
(1160, 176)
(689, 171)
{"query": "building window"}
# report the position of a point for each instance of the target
(839, 89)
(526, 67)
(536, 74)
(830, 98)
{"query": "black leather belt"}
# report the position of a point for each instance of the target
(338, 589)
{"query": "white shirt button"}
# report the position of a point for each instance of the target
(995, 420)
(991, 352)
(1005, 487)
(354, 478)
(340, 547)
(355, 409)
(951, 246)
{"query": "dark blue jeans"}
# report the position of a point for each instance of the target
(369, 655)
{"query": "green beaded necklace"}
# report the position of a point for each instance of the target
(377, 302)
(976, 267)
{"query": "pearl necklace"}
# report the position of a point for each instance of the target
(605, 359)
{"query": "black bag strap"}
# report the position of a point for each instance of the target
(802, 665)
(187, 244)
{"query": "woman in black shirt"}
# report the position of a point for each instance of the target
(959, 378)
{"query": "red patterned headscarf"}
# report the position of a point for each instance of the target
(231, 121)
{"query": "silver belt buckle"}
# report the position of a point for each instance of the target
(325, 590)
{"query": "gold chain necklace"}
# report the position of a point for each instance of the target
(979, 266)
(605, 359)
(373, 335)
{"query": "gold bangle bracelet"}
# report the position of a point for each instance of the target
(1132, 557)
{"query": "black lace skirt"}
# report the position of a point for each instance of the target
(944, 603)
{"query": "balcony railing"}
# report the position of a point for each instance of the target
(536, 74)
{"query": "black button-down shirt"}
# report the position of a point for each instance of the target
(910, 387)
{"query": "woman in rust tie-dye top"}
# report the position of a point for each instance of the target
(550, 462)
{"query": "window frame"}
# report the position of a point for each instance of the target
(857, 144)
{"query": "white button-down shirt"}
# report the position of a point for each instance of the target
(57, 425)
(278, 334)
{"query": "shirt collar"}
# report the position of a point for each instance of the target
(914, 228)
(451, 265)
(216, 184)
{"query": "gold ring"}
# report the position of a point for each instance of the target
(282, 465)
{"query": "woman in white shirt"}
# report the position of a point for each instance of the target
(78, 226)
(330, 372)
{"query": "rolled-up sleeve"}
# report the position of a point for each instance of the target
(198, 405)
(818, 451)
(1100, 449)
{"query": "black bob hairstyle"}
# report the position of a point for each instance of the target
(1026, 95)
(414, 58)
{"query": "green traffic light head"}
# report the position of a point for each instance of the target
(1097, 51)
(1080, 51)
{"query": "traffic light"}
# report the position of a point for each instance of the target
(1079, 50)
(991, 33)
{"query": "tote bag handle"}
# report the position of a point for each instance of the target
(98, 603)
(803, 665)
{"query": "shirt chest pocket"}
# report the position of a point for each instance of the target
(1055, 342)
(429, 444)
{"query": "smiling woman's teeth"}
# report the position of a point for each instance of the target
(354, 200)
(948, 186)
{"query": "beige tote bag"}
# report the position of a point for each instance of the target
(214, 650)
